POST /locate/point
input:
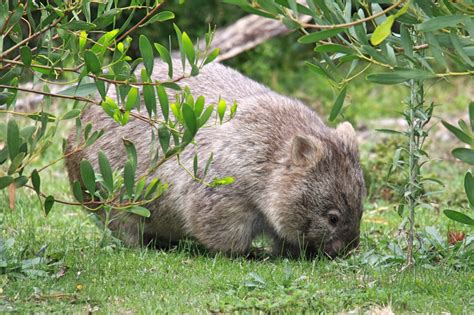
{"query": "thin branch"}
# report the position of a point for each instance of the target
(90, 75)
(344, 25)
(29, 38)
(146, 17)
(75, 98)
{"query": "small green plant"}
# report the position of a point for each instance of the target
(32, 267)
(465, 133)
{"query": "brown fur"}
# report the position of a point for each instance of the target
(293, 174)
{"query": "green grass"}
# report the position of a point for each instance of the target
(77, 275)
(138, 280)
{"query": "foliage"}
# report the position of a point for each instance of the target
(86, 45)
(465, 134)
(413, 41)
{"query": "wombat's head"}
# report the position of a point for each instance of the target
(318, 202)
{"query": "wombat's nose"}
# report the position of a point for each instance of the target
(334, 248)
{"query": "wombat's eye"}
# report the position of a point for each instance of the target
(333, 219)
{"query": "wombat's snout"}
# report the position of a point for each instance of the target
(340, 248)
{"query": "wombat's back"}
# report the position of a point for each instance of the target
(214, 80)
(247, 148)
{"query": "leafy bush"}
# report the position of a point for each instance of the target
(87, 45)
(413, 41)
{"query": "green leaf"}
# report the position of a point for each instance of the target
(87, 176)
(36, 181)
(399, 76)
(318, 36)
(101, 88)
(319, 70)
(171, 85)
(333, 48)
(144, 212)
(26, 56)
(208, 164)
(15, 17)
(164, 138)
(464, 154)
(463, 126)
(195, 165)
(78, 26)
(92, 62)
(164, 102)
(146, 51)
(206, 115)
(182, 52)
(461, 135)
(175, 109)
(5, 181)
(84, 89)
(77, 191)
(469, 187)
(82, 40)
(151, 188)
(459, 217)
(131, 152)
(150, 99)
(199, 105)
(188, 48)
(160, 17)
(16, 162)
(73, 113)
(389, 131)
(221, 107)
(132, 99)
(406, 41)
(382, 31)
(223, 181)
(3, 155)
(48, 204)
(187, 138)
(13, 139)
(471, 115)
(109, 106)
(21, 181)
(189, 118)
(233, 110)
(459, 49)
(129, 177)
(139, 187)
(336, 108)
(440, 22)
(212, 56)
(106, 171)
(166, 57)
(403, 10)
(241, 3)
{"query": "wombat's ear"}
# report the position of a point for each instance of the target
(347, 133)
(305, 151)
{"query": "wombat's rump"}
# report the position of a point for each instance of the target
(297, 180)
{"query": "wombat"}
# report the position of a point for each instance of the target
(296, 180)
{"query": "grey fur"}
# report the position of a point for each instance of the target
(293, 173)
